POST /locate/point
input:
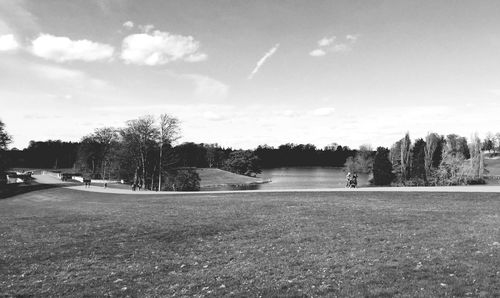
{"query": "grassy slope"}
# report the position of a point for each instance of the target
(211, 177)
(63, 242)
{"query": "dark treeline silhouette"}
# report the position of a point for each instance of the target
(298, 155)
(56, 154)
(45, 154)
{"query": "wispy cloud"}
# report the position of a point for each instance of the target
(317, 53)
(212, 116)
(494, 91)
(158, 48)
(332, 45)
(326, 41)
(262, 60)
(128, 24)
(71, 77)
(208, 88)
(326, 111)
(15, 17)
(62, 49)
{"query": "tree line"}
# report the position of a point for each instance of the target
(143, 153)
(433, 160)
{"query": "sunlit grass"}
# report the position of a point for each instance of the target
(70, 243)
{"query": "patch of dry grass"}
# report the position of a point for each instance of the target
(62, 242)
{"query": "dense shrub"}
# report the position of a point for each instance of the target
(243, 162)
(382, 167)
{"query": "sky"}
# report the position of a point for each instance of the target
(247, 73)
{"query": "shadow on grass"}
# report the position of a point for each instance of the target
(10, 190)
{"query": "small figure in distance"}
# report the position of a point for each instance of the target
(352, 180)
(348, 179)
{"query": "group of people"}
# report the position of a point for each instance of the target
(352, 180)
(136, 185)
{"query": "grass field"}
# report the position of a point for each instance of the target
(60, 242)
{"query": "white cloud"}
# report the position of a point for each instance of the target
(128, 24)
(8, 43)
(208, 88)
(262, 60)
(323, 111)
(325, 41)
(332, 45)
(62, 49)
(160, 48)
(317, 53)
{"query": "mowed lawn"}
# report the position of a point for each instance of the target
(60, 242)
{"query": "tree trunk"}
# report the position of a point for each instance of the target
(143, 160)
(159, 166)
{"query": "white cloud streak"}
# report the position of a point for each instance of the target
(262, 60)
(63, 49)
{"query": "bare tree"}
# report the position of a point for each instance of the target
(476, 157)
(431, 144)
(169, 132)
(5, 138)
(107, 137)
(405, 156)
(143, 134)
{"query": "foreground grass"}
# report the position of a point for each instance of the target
(58, 242)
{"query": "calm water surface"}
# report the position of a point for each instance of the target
(301, 178)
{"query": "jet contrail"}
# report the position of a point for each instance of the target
(262, 60)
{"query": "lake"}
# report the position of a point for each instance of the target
(301, 178)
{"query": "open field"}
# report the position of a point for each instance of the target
(66, 242)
